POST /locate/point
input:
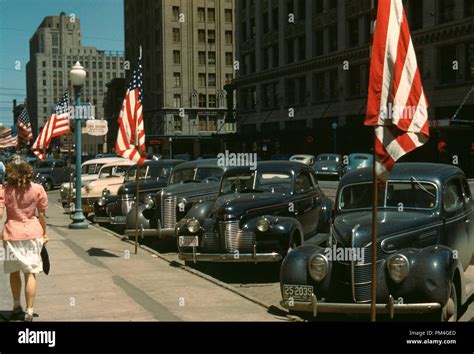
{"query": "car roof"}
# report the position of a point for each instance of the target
(199, 163)
(335, 155)
(165, 162)
(51, 160)
(121, 162)
(273, 165)
(302, 155)
(351, 156)
(434, 172)
(103, 160)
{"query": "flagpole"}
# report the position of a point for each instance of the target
(69, 201)
(373, 285)
(137, 183)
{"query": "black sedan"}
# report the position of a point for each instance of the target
(425, 244)
(259, 216)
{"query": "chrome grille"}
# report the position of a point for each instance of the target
(126, 205)
(362, 274)
(236, 239)
(168, 212)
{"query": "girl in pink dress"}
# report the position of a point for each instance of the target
(24, 234)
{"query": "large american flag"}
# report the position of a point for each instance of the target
(131, 134)
(57, 124)
(24, 128)
(8, 137)
(397, 106)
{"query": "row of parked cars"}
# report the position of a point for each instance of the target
(278, 213)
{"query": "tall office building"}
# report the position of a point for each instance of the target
(54, 48)
(302, 85)
(188, 57)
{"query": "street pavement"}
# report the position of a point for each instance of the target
(97, 277)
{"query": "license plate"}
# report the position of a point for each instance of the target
(188, 241)
(325, 168)
(298, 292)
(87, 209)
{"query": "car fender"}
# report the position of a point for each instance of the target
(201, 211)
(142, 219)
(282, 226)
(327, 206)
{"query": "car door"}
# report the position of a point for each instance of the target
(455, 220)
(469, 208)
(308, 202)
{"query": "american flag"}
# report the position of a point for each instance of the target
(131, 134)
(8, 137)
(57, 124)
(24, 128)
(397, 106)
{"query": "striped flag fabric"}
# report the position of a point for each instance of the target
(131, 134)
(57, 124)
(397, 107)
(8, 137)
(24, 128)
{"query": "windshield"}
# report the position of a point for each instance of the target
(113, 171)
(399, 195)
(328, 158)
(209, 173)
(267, 181)
(147, 172)
(91, 169)
(183, 175)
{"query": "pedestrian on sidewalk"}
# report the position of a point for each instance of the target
(24, 234)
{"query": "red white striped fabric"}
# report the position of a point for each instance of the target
(8, 138)
(131, 134)
(57, 124)
(397, 106)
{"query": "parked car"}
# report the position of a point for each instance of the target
(357, 161)
(111, 177)
(280, 157)
(154, 175)
(260, 215)
(306, 159)
(89, 172)
(51, 173)
(329, 165)
(191, 182)
(425, 243)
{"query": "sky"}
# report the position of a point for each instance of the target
(101, 27)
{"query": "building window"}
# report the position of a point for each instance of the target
(55, 39)
(212, 80)
(201, 14)
(301, 9)
(319, 87)
(177, 124)
(211, 15)
(176, 57)
(228, 37)
(290, 88)
(333, 84)
(202, 80)
(301, 48)
(276, 55)
(275, 20)
(177, 100)
(265, 23)
(228, 58)
(266, 93)
(212, 101)
(355, 81)
(266, 58)
(45, 100)
(202, 123)
(319, 43)
(470, 61)
(44, 82)
(447, 55)
(177, 79)
(332, 4)
(212, 123)
(107, 65)
(332, 36)
(415, 14)
(201, 36)
(290, 51)
(176, 13)
(243, 30)
(228, 15)
(253, 28)
(229, 78)
(176, 35)
(353, 28)
(302, 90)
(202, 58)
(202, 101)
(318, 6)
(445, 10)
(468, 8)
(44, 73)
(211, 58)
(211, 36)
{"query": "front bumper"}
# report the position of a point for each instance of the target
(390, 308)
(328, 173)
(231, 257)
(113, 220)
(159, 232)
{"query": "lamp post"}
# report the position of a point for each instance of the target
(171, 147)
(78, 77)
(334, 127)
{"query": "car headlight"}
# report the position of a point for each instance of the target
(105, 192)
(101, 201)
(149, 202)
(398, 267)
(181, 206)
(193, 225)
(263, 225)
(318, 267)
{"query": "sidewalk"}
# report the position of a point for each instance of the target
(96, 277)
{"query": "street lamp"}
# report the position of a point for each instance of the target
(78, 77)
(334, 127)
(171, 147)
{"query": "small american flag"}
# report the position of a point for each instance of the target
(131, 134)
(57, 124)
(8, 137)
(24, 128)
(397, 106)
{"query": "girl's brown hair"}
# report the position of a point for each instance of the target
(19, 172)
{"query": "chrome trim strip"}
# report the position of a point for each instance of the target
(230, 257)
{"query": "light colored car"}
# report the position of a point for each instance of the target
(306, 159)
(89, 172)
(111, 177)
